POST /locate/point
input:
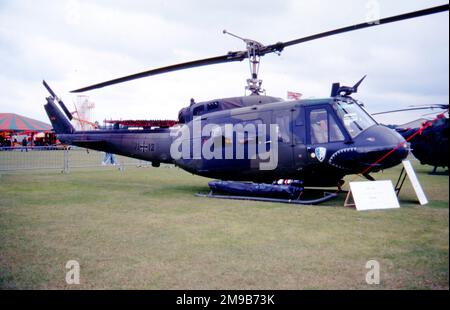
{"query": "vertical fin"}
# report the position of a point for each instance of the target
(61, 103)
(59, 122)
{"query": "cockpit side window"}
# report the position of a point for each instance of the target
(336, 134)
(318, 120)
(323, 127)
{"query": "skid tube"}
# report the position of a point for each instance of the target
(327, 196)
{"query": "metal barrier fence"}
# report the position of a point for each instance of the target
(64, 159)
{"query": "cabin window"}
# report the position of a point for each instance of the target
(247, 132)
(323, 127)
(198, 110)
(211, 106)
(284, 132)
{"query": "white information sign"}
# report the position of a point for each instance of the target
(415, 182)
(374, 195)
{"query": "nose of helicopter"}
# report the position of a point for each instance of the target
(375, 149)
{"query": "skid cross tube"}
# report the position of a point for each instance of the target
(327, 196)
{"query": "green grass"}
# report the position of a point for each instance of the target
(145, 229)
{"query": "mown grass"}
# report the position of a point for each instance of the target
(143, 228)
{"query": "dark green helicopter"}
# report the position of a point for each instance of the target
(256, 138)
(428, 140)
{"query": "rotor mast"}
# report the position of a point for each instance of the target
(254, 56)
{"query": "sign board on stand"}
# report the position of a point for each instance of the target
(372, 195)
(415, 182)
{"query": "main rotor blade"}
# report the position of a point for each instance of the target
(279, 46)
(431, 107)
(232, 56)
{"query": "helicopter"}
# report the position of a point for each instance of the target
(255, 138)
(429, 140)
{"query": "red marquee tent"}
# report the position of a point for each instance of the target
(13, 122)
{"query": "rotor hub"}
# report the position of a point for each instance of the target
(254, 52)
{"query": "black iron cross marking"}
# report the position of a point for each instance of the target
(143, 147)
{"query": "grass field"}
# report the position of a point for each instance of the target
(143, 228)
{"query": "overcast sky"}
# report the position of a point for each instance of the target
(76, 43)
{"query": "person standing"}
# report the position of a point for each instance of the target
(25, 143)
(109, 158)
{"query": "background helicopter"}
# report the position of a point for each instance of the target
(429, 139)
(348, 142)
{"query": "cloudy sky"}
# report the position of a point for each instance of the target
(76, 43)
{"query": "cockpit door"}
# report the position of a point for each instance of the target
(324, 134)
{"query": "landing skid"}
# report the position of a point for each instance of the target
(435, 172)
(326, 197)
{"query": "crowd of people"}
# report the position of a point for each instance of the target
(12, 142)
(5, 142)
(27, 141)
